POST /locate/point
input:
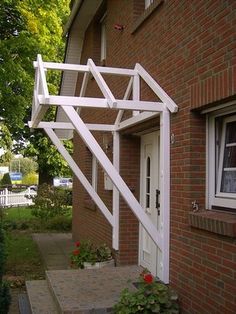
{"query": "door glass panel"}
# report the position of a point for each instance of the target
(148, 168)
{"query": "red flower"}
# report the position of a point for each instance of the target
(75, 252)
(77, 244)
(148, 278)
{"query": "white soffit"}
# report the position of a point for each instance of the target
(80, 18)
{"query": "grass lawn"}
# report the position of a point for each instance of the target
(23, 258)
(17, 213)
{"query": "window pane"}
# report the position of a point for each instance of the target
(148, 167)
(231, 132)
(230, 157)
(228, 183)
(147, 201)
(148, 185)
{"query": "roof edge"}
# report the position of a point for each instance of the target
(72, 16)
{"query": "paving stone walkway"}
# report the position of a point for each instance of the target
(55, 249)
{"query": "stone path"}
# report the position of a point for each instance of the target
(55, 249)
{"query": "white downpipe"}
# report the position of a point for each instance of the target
(106, 164)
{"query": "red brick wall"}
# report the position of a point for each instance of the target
(189, 48)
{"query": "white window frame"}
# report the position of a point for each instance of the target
(214, 196)
(94, 173)
(103, 38)
(148, 3)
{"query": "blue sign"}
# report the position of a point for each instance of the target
(16, 176)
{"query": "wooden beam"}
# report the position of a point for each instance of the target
(108, 167)
(85, 68)
(69, 126)
(101, 103)
(79, 174)
(143, 116)
(171, 105)
(102, 84)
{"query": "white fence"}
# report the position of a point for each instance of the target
(11, 198)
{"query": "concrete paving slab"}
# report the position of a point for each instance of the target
(55, 249)
(41, 301)
(90, 290)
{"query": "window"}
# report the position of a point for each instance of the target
(142, 9)
(222, 159)
(103, 38)
(148, 3)
(148, 182)
(94, 173)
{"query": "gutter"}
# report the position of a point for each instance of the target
(75, 9)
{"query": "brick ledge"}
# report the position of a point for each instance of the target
(214, 221)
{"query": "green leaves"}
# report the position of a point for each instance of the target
(28, 28)
(150, 297)
(88, 252)
(50, 202)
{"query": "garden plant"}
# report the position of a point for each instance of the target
(151, 296)
(87, 252)
(5, 298)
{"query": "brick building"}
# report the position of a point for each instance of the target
(189, 48)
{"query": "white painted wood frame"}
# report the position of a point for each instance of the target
(142, 111)
(108, 167)
(79, 174)
(164, 188)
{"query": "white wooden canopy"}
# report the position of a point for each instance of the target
(142, 110)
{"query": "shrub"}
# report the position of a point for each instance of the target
(151, 296)
(2, 254)
(6, 180)
(50, 202)
(5, 298)
(59, 223)
(30, 179)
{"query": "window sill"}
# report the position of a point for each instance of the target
(214, 221)
(140, 20)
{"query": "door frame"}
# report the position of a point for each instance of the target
(155, 140)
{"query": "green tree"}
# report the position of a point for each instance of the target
(29, 27)
(50, 162)
(24, 165)
(5, 143)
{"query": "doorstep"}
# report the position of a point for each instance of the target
(83, 291)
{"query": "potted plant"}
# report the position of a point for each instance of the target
(151, 296)
(87, 255)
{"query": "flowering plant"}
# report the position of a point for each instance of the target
(151, 296)
(85, 251)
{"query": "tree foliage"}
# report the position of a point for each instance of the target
(24, 165)
(28, 28)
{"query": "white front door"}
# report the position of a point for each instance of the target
(149, 253)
